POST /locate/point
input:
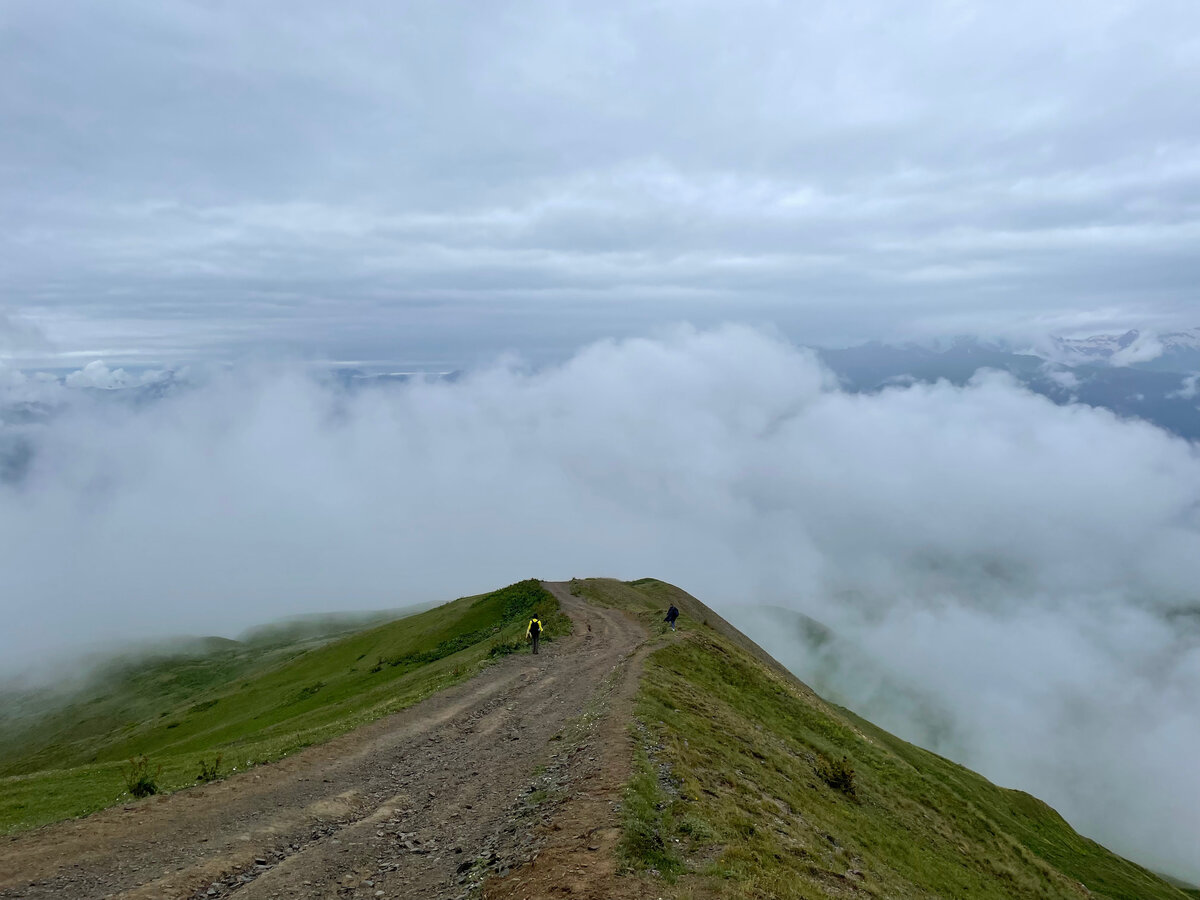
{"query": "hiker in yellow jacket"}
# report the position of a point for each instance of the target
(534, 631)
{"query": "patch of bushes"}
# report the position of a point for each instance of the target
(308, 691)
(141, 776)
(202, 706)
(209, 771)
(837, 773)
(442, 650)
(520, 599)
(504, 648)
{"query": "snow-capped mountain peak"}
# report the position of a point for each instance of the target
(1126, 349)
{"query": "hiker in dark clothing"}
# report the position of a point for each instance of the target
(534, 632)
(672, 615)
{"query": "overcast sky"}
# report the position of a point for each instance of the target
(437, 182)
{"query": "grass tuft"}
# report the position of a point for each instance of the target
(647, 822)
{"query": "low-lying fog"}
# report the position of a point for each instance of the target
(1012, 582)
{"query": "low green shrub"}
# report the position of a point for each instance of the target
(306, 692)
(141, 777)
(209, 771)
(504, 648)
(837, 773)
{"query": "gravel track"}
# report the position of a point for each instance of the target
(424, 803)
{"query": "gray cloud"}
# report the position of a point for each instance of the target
(19, 337)
(1025, 573)
(198, 179)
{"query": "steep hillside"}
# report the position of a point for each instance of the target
(138, 682)
(249, 703)
(626, 761)
(750, 785)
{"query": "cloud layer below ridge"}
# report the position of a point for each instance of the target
(1028, 571)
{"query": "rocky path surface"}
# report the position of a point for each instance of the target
(425, 803)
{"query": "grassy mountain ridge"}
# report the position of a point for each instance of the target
(252, 703)
(732, 795)
(746, 783)
(134, 682)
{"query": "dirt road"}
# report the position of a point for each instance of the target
(424, 803)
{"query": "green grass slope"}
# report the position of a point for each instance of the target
(138, 683)
(250, 703)
(736, 790)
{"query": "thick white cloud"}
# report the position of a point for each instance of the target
(1145, 348)
(1026, 572)
(1190, 389)
(97, 375)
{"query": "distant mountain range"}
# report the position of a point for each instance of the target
(1136, 375)
(1177, 351)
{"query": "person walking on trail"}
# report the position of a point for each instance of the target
(672, 615)
(534, 632)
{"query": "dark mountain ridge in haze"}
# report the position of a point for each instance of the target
(1160, 389)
